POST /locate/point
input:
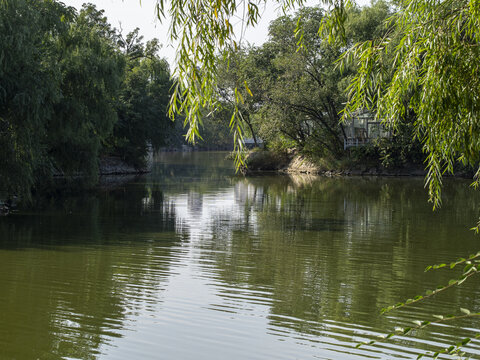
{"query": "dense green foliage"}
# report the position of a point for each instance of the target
(71, 90)
(203, 29)
(90, 74)
(305, 90)
(426, 64)
(143, 100)
(428, 45)
(291, 96)
(24, 105)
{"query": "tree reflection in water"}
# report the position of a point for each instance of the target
(192, 255)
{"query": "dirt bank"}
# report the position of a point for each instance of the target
(301, 164)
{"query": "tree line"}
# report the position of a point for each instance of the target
(72, 90)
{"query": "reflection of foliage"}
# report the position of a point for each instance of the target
(82, 294)
(318, 254)
(318, 241)
(181, 171)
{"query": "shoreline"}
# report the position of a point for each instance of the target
(113, 165)
(112, 172)
(259, 162)
(301, 165)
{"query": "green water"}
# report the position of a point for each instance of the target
(193, 262)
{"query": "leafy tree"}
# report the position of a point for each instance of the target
(91, 70)
(435, 52)
(305, 94)
(143, 101)
(65, 77)
(28, 87)
(203, 29)
(292, 93)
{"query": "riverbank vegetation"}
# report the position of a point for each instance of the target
(73, 90)
(76, 90)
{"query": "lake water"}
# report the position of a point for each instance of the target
(193, 262)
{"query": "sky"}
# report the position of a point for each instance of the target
(129, 14)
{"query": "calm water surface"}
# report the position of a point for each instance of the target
(192, 262)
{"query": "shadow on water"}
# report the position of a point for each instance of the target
(88, 263)
(136, 208)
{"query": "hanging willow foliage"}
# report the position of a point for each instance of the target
(204, 29)
(433, 44)
(435, 68)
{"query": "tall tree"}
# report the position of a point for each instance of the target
(203, 29)
(29, 80)
(305, 91)
(293, 93)
(63, 75)
(91, 71)
(143, 101)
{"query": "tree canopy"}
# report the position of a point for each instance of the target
(70, 84)
(434, 47)
(291, 96)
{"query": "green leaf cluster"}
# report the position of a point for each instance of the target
(142, 101)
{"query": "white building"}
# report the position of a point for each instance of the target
(362, 128)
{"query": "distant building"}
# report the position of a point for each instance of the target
(250, 143)
(362, 128)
